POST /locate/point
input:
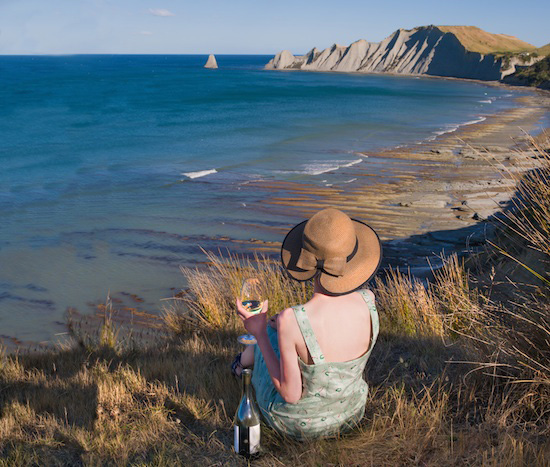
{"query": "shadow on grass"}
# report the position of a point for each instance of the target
(188, 380)
(48, 384)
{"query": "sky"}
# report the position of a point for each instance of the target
(245, 26)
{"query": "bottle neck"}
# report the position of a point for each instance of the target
(247, 378)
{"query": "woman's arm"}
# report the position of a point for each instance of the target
(285, 373)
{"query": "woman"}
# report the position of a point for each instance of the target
(308, 363)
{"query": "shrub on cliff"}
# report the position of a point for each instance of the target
(537, 75)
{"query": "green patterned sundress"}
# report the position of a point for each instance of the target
(334, 394)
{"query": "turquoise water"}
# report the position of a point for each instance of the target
(115, 169)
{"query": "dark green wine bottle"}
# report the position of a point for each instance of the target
(246, 441)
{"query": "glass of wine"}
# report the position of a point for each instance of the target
(251, 299)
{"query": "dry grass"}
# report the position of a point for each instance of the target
(521, 259)
(409, 307)
(209, 301)
(527, 221)
(109, 401)
(478, 40)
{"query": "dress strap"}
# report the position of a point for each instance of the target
(308, 334)
(375, 321)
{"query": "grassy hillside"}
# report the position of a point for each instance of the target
(478, 40)
(460, 374)
(544, 50)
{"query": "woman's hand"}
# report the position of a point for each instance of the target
(254, 323)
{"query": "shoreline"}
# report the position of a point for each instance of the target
(438, 194)
(492, 83)
(417, 209)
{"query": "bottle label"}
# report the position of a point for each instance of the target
(254, 435)
(246, 441)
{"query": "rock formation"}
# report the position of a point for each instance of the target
(427, 50)
(535, 75)
(211, 62)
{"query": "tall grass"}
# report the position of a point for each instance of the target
(173, 404)
(209, 301)
(521, 257)
(409, 307)
(506, 324)
(527, 244)
(529, 213)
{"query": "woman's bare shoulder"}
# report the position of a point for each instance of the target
(286, 317)
(287, 326)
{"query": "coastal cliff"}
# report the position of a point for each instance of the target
(451, 51)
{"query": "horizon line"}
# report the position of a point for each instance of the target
(123, 53)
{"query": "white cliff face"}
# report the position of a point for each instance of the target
(516, 63)
(281, 61)
(211, 62)
(425, 50)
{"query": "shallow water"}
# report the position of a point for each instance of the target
(115, 169)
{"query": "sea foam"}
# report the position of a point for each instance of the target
(200, 173)
(321, 167)
(450, 128)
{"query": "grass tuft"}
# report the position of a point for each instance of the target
(209, 301)
(409, 307)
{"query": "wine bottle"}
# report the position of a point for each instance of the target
(246, 441)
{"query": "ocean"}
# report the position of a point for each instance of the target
(117, 169)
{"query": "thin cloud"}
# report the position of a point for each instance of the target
(160, 12)
(146, 33)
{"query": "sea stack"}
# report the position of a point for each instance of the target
(211, 62)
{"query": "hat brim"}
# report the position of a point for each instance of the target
(359, 269)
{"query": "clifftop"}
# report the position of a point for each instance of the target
(483, 42)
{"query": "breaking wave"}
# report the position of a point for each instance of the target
(200, 173)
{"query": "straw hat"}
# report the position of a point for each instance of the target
(343, 252)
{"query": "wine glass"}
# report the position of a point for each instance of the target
(251, 299)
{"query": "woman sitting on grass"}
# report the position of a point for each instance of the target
(309, 361)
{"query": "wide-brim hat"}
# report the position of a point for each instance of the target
(343, 253)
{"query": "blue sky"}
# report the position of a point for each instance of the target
(244, 26)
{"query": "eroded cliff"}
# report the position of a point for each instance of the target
(427, 50)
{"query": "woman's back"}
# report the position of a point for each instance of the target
(334, 392)
(341, 324)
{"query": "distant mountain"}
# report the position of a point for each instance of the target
(453, 51)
